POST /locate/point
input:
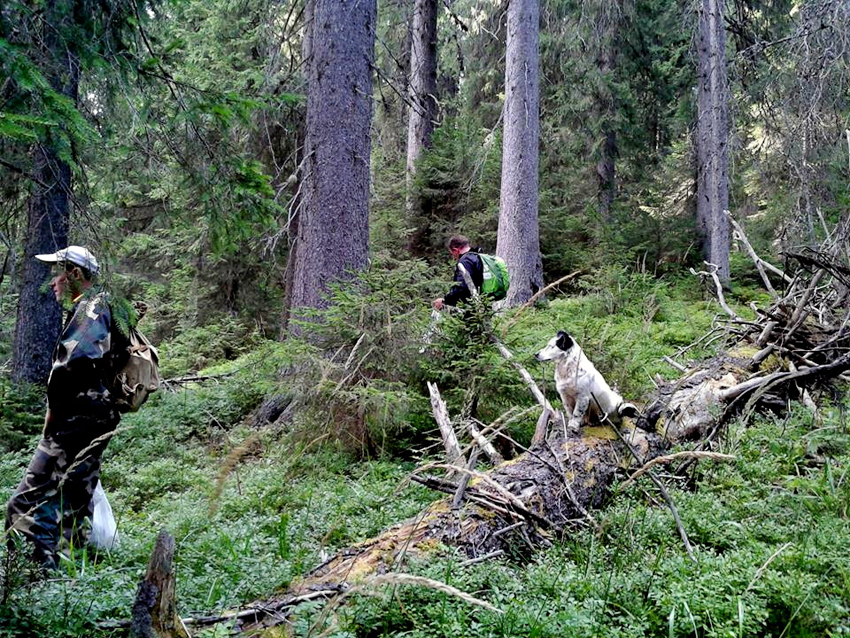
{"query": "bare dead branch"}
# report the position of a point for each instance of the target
(441, 416)
(464, 479)
(484, 444)
(765, 333)
(542, 426)
(714, 456)
(534, 298)
(718, 288)
(758, 261)
(673, 363)
(483, 557)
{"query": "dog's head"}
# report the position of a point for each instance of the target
(557, 347)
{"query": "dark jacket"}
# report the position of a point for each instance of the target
(86, 359)
(459, 292)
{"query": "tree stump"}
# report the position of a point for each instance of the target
(155, 609)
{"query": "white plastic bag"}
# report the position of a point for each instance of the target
(432, 331)
(104, 530)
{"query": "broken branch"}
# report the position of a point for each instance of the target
(715, 456)
(441, 416)
(534, 298)
(718, 288)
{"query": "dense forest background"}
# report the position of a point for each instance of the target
(184, 131)
(190, 143)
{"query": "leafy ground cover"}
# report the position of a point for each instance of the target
(253, 508)
(771, 536)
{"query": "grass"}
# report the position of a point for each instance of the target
(635, 578)
(770, 530)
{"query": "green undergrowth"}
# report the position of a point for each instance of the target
(244, 526)
(253, 506)
(770, 533)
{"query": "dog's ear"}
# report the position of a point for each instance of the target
(629, 409)
(565, 341)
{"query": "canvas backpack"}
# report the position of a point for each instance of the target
(139, 376)
(496, 278)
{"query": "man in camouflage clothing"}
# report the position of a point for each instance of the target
(55, 494)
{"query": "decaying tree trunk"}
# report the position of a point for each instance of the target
(800, 341)
(521, 503)
(155, 609)
(712, 138)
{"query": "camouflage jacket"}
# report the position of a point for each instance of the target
(86, 359)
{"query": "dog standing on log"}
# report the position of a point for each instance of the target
(586, 395)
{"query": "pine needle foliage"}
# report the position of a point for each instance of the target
(124, 314)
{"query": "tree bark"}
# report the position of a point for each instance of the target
(712, 139)
(294, 223)
(155, 609)
(39, 317)
(606, 176)
(518, 241)
(423, 87)
(333, 228)
(606, 62)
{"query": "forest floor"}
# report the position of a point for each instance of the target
(253, 508)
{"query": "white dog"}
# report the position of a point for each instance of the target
(586, 395)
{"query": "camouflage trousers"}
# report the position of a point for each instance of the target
(55, 496)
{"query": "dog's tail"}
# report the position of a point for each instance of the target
(628, 409)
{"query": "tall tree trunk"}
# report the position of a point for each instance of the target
(333, 229)
(294, 224)
(39, 317)
(606, 174)
(423, 87)
(712, 138)
(518, 241)
(606, 63)
(807, 212)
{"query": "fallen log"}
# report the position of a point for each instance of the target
(557, 481)
(551, 500)
(550, 488)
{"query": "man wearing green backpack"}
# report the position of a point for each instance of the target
(489, 275)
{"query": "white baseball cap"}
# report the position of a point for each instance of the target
(76, 255)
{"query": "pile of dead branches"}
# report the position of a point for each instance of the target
(798, 343)
(808, 322)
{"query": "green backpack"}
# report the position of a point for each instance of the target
(496, 278)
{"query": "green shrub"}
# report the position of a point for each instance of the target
(203, 346)
(22, 409)
(359, 371)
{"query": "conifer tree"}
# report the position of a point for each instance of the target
(518, 240)
(38, 316)
(712, 138)
(52, 46)
(333, 227)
